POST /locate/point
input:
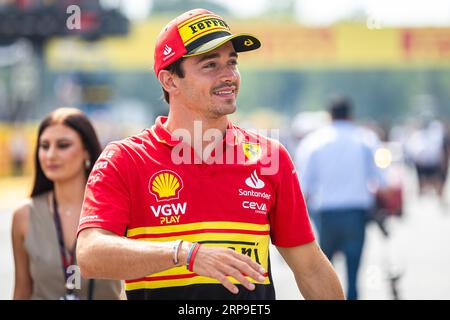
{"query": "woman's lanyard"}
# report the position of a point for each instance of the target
(62, 248)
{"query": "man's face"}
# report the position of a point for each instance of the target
(211, 82)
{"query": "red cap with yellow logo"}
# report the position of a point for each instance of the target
(195, 32)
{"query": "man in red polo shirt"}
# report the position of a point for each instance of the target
(187, 208)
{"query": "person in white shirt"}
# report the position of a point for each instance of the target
(428, 148)
(339, 176)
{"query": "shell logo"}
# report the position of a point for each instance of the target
(165, 185)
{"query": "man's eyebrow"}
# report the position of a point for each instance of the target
(215, 55)
(208, 56)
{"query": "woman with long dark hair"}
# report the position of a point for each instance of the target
(44, 228)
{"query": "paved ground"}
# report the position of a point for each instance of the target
(417, 249)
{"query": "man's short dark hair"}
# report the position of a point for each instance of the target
(176, 68)
(340, 108)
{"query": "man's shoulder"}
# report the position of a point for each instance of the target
(126, 149)
(131, 142)
(319, 137)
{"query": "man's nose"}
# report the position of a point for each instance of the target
(229, 74)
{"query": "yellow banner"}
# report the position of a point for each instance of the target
(17, 146)
(283, 45)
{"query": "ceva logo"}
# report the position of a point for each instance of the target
(254, 205)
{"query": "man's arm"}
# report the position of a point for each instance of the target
(315, 276)
(103, 254)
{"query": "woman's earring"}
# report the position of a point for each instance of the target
(87, 163)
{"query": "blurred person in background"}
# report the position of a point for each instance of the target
(428, 148)
(203, 239)
(44, 228)
(338, 175)
(18, 152)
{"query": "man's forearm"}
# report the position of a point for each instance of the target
(102, 254)
(321, 285)
(315, 276)
(112, 257)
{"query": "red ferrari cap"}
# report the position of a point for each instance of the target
(196, 32)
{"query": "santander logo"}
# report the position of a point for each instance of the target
(254, 181)
(167, 50)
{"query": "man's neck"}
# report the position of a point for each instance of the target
(196, 125)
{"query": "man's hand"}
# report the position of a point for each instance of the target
(218, 263)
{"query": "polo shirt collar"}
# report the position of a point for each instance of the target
(162, 134)
(233, 136)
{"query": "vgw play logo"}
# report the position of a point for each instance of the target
(166, 185)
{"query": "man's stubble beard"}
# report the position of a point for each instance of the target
(217, 111)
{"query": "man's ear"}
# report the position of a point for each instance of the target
(166, 79)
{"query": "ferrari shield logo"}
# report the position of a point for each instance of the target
(252, 150)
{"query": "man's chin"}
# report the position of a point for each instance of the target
(224, 109)
(231, 109)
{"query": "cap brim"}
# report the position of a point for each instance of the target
(241, 42)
